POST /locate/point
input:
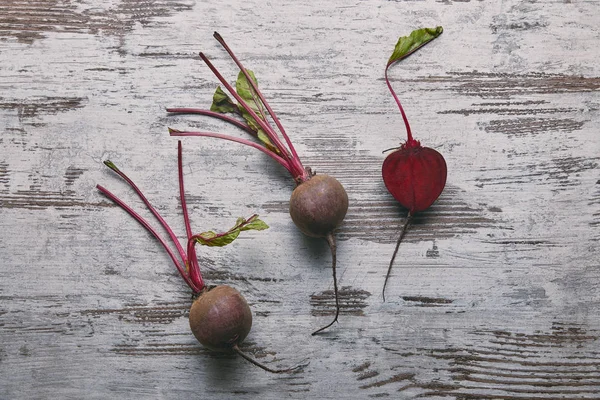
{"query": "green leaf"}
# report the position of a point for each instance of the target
(408, 44)
(256, 225)
(222, 103)
(246, 92)
(213, 239)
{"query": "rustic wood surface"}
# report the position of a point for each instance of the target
(496, 290)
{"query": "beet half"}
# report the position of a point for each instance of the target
(414, 175)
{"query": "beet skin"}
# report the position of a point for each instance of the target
(220, 318)
(318, 205)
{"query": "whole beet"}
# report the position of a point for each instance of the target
(220, 318)
(318, 205)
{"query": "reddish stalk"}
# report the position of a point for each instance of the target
(284, 163)
(191, 273)
(160, 219)
(410, 142)
(199, 111)
(220, 39)
(263, 124)
(193, 266)
(288, 157)
(154, 233)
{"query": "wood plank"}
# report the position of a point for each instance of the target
(495, 293)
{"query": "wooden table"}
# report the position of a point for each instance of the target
(496, 290)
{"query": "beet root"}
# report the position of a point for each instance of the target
(318, 205)
(220, 318)
(415, 176)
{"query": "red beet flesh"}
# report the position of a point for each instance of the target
(415, 176)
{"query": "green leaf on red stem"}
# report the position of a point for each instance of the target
(214, 239)
(222, 103)
(408, 44)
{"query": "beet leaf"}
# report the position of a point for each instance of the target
(212, 238)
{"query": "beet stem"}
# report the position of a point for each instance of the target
(409, 136)
(258, 364)
(160, 219)
(284, 163)
(263, 124)
(213, 114)
(331, 242)
(193, 266)
(404, 227)
(261, 97)
(154, 233)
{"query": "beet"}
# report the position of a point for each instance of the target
(414, 175)
(319, 203)
(219, 317)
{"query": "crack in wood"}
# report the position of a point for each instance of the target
(30, 21)
(507, 85)
(532, 126)
(352, 302)
(35, 106)
(160, 314)
(396, 378)
(427, 301)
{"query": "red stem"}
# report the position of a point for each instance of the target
(409, 141)
(284, 163)
(213, 114)
(295, 157)
(154, 233)
(193, 266)
(160, 219)
(298, 172)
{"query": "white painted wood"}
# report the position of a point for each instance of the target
(495, 293)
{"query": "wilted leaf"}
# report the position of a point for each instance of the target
(213, 239)
(222, 103)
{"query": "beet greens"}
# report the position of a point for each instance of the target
(413, 174)
(319, 203)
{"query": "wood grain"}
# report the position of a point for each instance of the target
(495, 293)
